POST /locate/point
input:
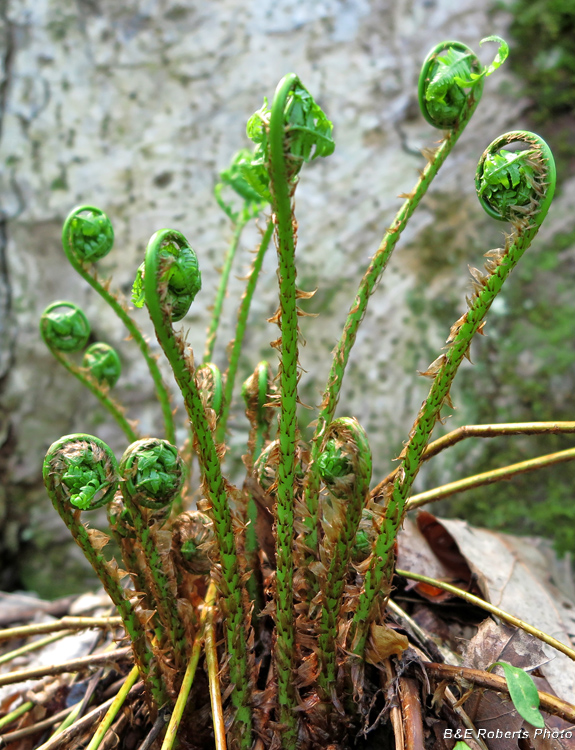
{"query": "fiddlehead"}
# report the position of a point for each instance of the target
(526, 220)
(156, 290)
(103, 363)
(152, 474)
(87, 236)
(376, 268)
(293, 131)
(449, 69)
(193, 535)
(90, 234)
(65, 329)
(81, 472)
(345, 468)
(512, 185)
(179, 279)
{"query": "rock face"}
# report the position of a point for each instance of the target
(134, 107)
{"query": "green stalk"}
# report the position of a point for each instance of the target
(188, 680)
(488, 607)
(526, 224)
(236, 348)
(15, 714)
(114, 709)
(366, 288)
(34, 646)
(157, 289)
(83, 451)
(222, 288)
(155, 486)
(345, 467)
(255, 391)
(69, 332)
(282, 186)
(73, 226)
(484, 431)
(490, 477)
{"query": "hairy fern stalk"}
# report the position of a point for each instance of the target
(284, 580)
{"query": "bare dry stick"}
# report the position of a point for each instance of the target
(472, 599)
(75, 665)
(549, 703)
(33, 646)
(66, 623)
(86, 721)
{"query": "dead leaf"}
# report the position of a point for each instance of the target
(509, 581)
(383, 643)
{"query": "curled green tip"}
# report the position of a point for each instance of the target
(345, 460)
(87, 235)
(210, 385)
(516, 184)
(192, 533)
(152, 472)
(334, 463)
(103, 362)
(82, 471)
(64, 327)
(171, 271)
(442, 99)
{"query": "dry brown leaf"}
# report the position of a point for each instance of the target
(383, 643)
(510, 581)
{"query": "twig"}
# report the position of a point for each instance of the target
(411, 710)
(154, 732)
(80, 708)
(15, 714)
(484, 431)
(215, 694)
(489, 477)
(33, 646)
(75, 665)
(495, 430)
(178, 711)
(491, 608)
(86, 721)
(112, 712)
(66, 623)
(549, 703)
(18, 734)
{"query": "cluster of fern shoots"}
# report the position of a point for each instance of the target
(284, 580)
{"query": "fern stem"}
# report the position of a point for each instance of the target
(346, 471)
(282, 186)
(134, 494)
(236, 348)
(215, 487)
(88, 272)
(526, 225)
(357, 312)
(222, 288)
(56, 464)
